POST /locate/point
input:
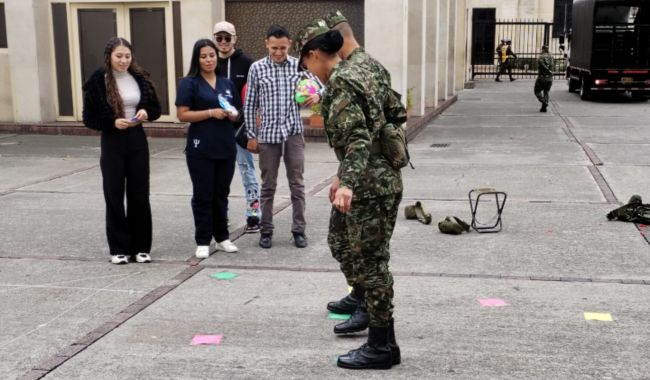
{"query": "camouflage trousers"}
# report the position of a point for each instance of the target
(542, 88)
(359, 241)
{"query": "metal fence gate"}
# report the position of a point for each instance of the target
(527, 39)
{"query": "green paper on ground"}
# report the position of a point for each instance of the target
(338, 316)
(606, 317)
(224, 275)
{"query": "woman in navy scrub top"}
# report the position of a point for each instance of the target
(210, 148)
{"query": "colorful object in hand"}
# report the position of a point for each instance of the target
(305, 88)
(225, 104)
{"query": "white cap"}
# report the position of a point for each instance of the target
(224, 26)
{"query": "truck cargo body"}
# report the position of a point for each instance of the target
(610, 47)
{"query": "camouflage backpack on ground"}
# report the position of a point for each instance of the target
(634, 211)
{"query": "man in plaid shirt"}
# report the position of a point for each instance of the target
(271, 87)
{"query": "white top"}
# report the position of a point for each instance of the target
(129, 91)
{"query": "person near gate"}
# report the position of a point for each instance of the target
(270, 91)
(118, 97)
(507, 59)
(210, 103)
(544, 79)
(234, 65)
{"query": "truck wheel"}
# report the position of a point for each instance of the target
(573, 85)
(585, 91)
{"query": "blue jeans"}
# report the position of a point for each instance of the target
(251, 189)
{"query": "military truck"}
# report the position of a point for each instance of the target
(609, 48)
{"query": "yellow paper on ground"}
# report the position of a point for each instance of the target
(606, 317)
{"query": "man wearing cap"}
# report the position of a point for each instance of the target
(366, 194)
(271, 87)
(544, 77)
(234, 65)
(394, 111)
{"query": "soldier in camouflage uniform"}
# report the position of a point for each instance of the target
(367, 192)
(394, 113)
(544, 77)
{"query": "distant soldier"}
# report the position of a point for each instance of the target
(544, 77)
(507, 59)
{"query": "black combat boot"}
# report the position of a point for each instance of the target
(375, 354)
(357, 322)
(543, 109)
(392, 343)
(349, 303)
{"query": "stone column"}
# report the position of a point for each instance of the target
(416, 57)
(451, 58)
(431, 54)
(443, 48)
(31, 61)
(386, 38)
(197, 19)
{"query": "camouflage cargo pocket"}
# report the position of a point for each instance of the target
(393, 146)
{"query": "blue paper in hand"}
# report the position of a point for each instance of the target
(225, 104)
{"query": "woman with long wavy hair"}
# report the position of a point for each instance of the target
(118, 97)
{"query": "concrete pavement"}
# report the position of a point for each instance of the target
(68, 314)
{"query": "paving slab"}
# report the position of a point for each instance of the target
(537, 240)
(274, 325)
(16, 172)
(494, 135)
(626, 181)
(525, 123)
(60, 146)
(623, 154)
(497, 154)
(54, 303)
(530, 183)
(73, 225)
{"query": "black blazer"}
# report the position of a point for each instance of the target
(98, 114)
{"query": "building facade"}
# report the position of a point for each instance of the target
(48, 48)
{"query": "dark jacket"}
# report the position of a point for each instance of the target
(97, 112)
(239, 63)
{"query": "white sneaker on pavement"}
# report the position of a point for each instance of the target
(143, 258)
(202, 251)
(227, 246)
(119, 259)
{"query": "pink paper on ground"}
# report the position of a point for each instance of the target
(492, 302)
(207, 339)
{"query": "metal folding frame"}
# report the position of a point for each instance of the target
(474, 197)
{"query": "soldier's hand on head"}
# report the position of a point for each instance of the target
(333, 187)
(343, 199)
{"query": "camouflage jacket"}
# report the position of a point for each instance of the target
(545, 66)
(394, 110)
(353, 113)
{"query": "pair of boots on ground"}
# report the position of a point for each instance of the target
(381, 351)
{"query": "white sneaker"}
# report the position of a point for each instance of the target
(119, 259)
(143, 258)
(202, 251)
(227, 246)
